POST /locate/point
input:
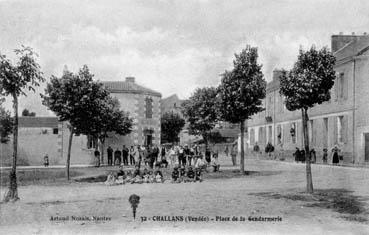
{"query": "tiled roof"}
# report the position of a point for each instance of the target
(353, 48)
(47, 122)
(128, 87)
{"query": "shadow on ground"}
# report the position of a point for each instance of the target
(350, 207)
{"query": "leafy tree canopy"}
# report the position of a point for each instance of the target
(26, 113)
(242, 89)
(310, 80)
(200, 110)
(171, 126)
(75, 98)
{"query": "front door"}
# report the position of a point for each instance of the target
(148, 140)
(366, 136)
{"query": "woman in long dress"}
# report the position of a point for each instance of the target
(335, 158)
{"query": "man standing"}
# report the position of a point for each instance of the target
(117, 157)
(234, 154)
(110, 155)
(125, 155)
(187, 155)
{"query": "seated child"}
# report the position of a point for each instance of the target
(158, 176)
(175, 175)
(128, 178)
(110, 179)
(151, 177)
(198, 176)
(136, 177)
(136, 172)
(145, 176)
(190, 175)
(215, 163)
(182, 173)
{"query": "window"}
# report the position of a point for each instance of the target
(148, 107)
(252, 136)
(341, 129)
(91, 142)
(341, 87)
(55, 131)
(311, 132)
(293, 132)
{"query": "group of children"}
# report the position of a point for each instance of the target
(179, 174)
(135, 176)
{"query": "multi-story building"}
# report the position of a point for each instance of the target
(342, 121)
(39, 136)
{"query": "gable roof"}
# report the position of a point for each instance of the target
(38, 122)
(353, 48)
(129, 87)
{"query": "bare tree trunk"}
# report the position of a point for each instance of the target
(309, 178)
(242, 160)
(12, 194)
(69, 151)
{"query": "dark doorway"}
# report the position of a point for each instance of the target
(148, 139)
(366, 135)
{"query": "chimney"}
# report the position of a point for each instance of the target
(340, 40)
(130, 79)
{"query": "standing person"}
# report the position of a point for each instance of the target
(156, 153)
(117, 157)
(46, 160)
(131, 156)
(208, 156)
(187, 155)
(335, 157)
(191, 156)
(312, 156)
(181, 156)
(256, 150)
(234, 154)
(110, 155)
(172, 155)
(125, 155)
(162, 152)
(226, 151)
(136, 154)
(97, 158)
(297, 155)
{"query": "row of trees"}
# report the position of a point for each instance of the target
(84, 104)
(242, 89)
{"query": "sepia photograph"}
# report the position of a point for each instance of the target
(184, 117)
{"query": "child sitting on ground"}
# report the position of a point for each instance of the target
(151, 177)
(175, 175)
(137, 179)
(128, 178)
(145, 176)
(110, 179)
(158, 176)
(190, 175)
(198, 176)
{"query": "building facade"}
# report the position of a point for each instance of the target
(342, 121)
(38, 136)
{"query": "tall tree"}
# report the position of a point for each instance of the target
(308, 84)
(241, 92)
(201, 112)
(110, 120)
(75, 98)
(171, 126)
(6, 124)
(15, 79)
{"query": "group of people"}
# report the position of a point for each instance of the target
(135, 176)
(153, 156)
(300, 155)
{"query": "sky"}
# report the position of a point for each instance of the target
(170, 46)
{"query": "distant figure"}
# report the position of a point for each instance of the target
(325, 156)
(97, 158)
(125, 152)
(234, 154)
(215, 163)
(335, 157)
(46, 160)
(110, 156)
(226, 151)
(208, 156)
(297, 155)
(132, 156)
(117, 157)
